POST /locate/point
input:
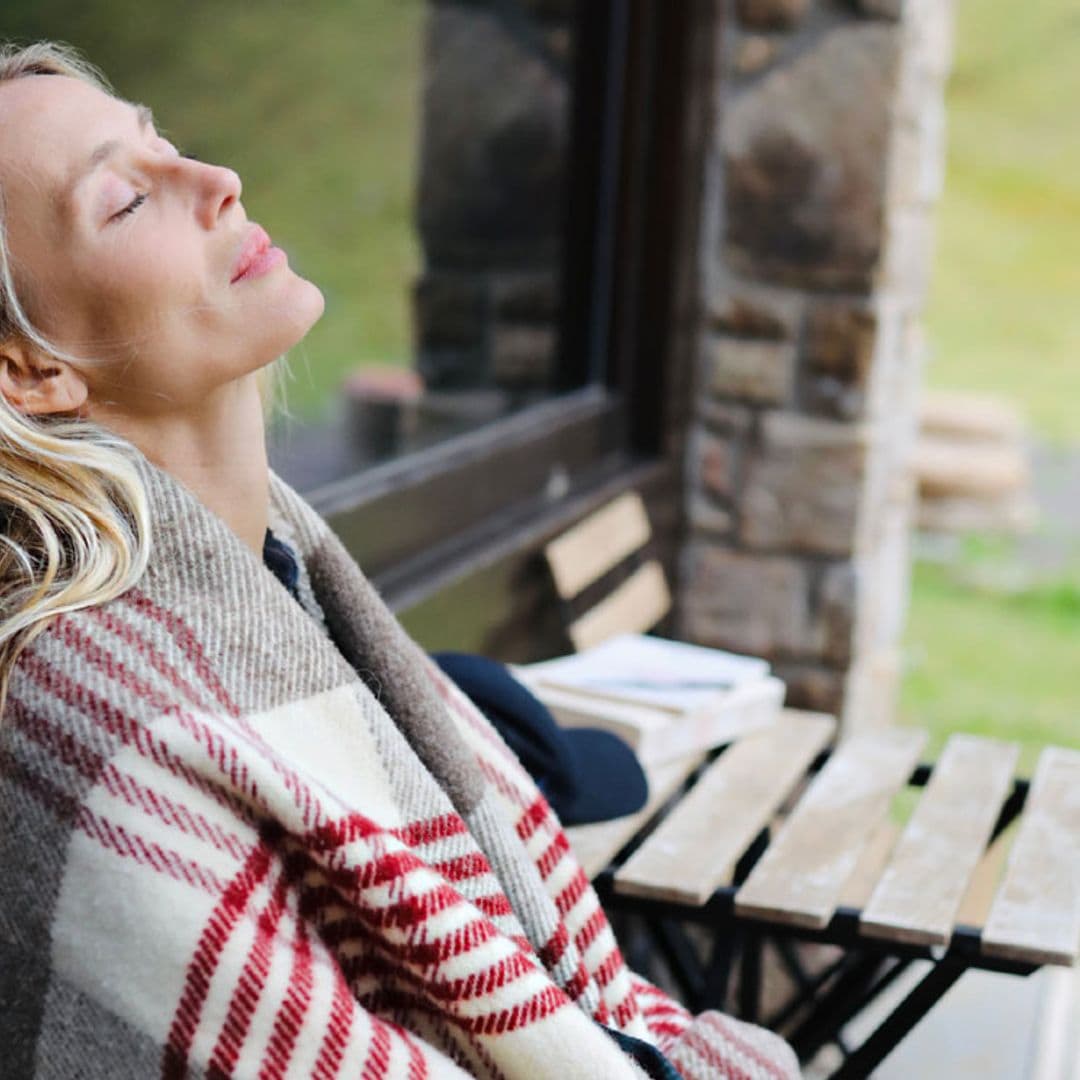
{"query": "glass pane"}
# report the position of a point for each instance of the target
(411, 156)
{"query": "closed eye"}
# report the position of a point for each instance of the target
(131, 207)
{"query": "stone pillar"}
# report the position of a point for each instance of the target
(826, 163)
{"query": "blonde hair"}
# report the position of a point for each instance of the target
(75, 528)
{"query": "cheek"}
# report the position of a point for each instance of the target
(143, 292)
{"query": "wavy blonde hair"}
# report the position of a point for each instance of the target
(75, 526)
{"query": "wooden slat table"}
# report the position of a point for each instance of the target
(835, 868)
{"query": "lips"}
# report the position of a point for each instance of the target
(256, 255)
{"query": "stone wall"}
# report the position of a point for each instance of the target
(825, 165)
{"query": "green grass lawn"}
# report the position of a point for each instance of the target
(1004, 312)
(316, 106)
(1004, 318)
(993, 664)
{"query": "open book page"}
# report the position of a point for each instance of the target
(636, 669)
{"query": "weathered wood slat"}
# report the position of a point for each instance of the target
(921, 890)
(875, 856)
(596, 845)
(597, 543)
(984, 882)
(800, 879)
(638, 604)
(1036, 913)
(695, 849)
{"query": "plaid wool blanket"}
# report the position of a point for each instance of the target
(244, 837)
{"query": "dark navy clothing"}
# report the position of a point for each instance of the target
(280, 559)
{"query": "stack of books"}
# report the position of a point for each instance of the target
(665, 698)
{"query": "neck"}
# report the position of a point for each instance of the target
(217, 453)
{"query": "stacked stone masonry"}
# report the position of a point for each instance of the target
(827, 162)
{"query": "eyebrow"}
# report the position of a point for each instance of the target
(105, 150)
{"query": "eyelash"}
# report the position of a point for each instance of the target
(131, 206)
(141, 198)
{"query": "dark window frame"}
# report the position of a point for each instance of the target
(472, 512)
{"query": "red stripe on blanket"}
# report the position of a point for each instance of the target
(250, 985)
(377, 1062)
(728, 1031)
(457, 942)
(173, 815)
(713, 1057)
(63, 745)
(417, 1066)
(545, 1002)
(553, 855)
(225, 756)
(130, 636)
(463, 867)
(553, 951)
(338, 1030)
(591, 930)
(200, 971)
(573, 892)
(430, 831)
(532, 819)
(116, 838)
(116, 723)
(187, 642)
(434, 986)
(290, 1017)
(110, 667)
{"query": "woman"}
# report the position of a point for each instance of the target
(242, 832)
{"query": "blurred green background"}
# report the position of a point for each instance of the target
(994, 628)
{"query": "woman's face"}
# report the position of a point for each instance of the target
(128, 253)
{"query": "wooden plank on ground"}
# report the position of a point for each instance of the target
(800, 878)
(695, 849)
(638, 604)
(597, 844)
(921, 890)
(594, 545)
(1036, 914)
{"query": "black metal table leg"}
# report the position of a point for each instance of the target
(678, 951)
(806, 987)
(901, 1020)
(837, 1005)
(750, 977)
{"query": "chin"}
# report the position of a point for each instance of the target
(296, 313)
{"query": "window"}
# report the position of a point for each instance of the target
(489, 194)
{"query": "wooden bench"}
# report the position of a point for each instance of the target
(838, 870)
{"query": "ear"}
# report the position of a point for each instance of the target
(38, 384)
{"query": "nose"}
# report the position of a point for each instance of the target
(218, 190)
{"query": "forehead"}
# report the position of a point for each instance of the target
(49, 125)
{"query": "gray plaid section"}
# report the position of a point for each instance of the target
(24, 983)
(393, 668)
(95, 1043)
